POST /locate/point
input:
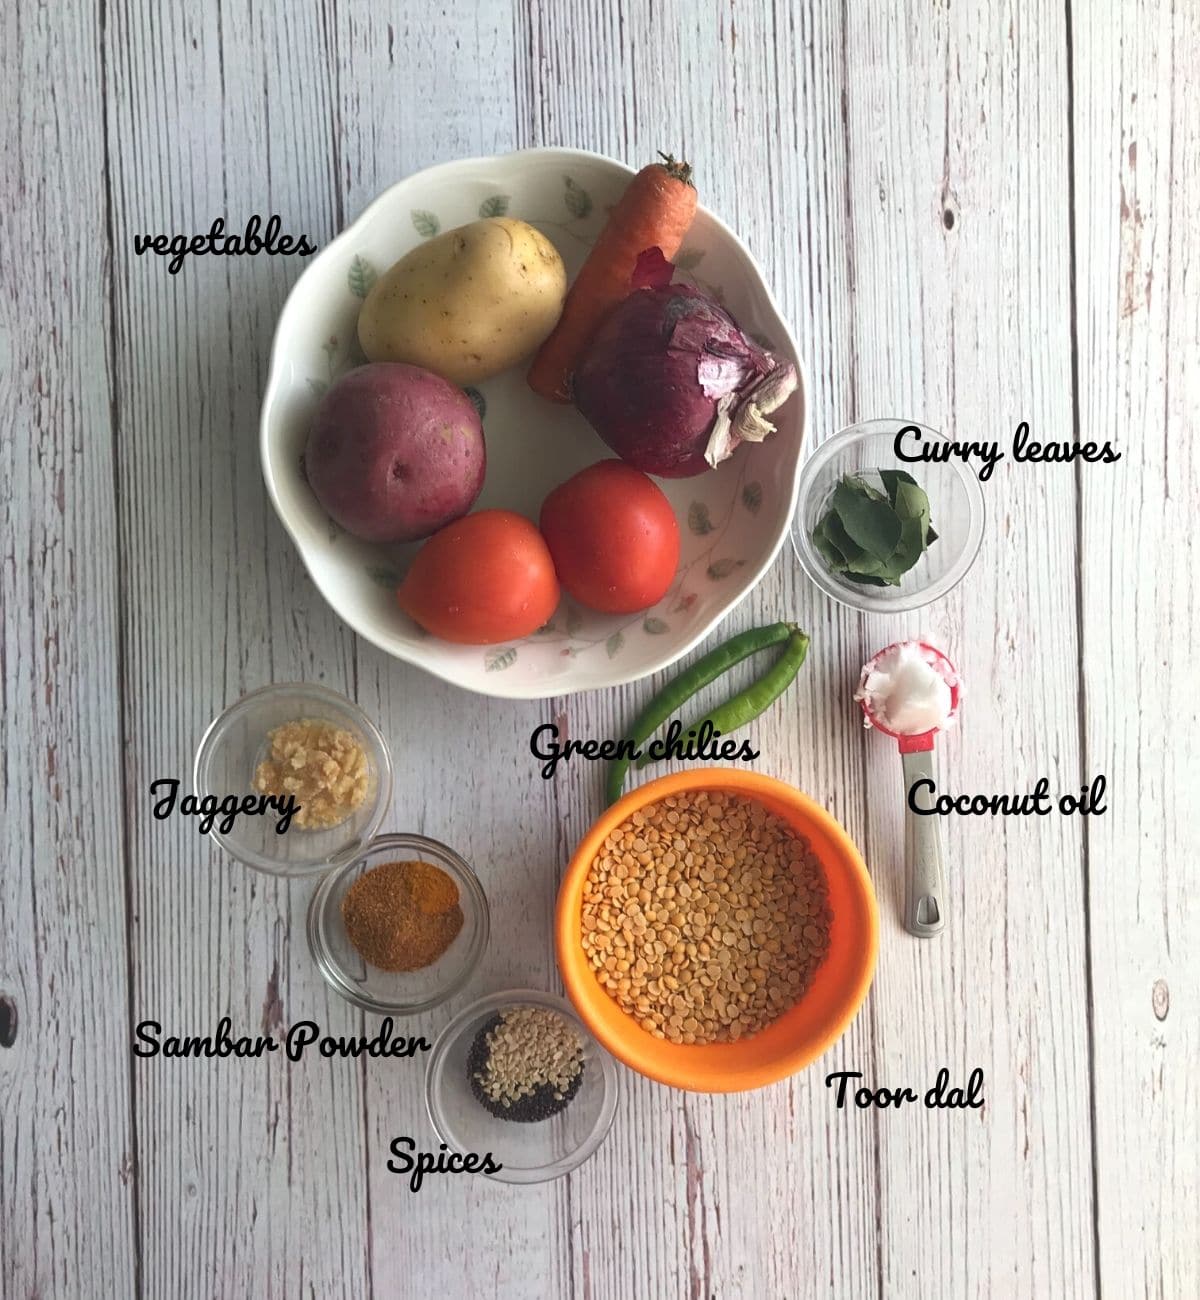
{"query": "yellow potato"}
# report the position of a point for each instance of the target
(467, 304)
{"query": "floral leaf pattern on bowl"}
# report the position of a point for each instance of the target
(698, 518)
(495, 205)
(496, 661)
(655, 626)
(330, 347)
(752, 496)
(577, 199)
(319, 387)
(687, 259)
(615, 644)
(723, 568)
(361, 276)
(425, 223)
(385, 577)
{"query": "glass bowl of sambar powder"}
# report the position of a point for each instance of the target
(400, 928)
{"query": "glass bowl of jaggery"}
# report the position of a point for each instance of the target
(311, 773)
(399, 928)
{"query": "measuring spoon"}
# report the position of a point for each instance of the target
(925, 897)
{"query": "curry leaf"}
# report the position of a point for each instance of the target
(911, 503)
(873, 537)
(871, 523)
(827, 550)
(867, 489)
(836, 533)
(908, 550)
(892, 478)
(870, 580)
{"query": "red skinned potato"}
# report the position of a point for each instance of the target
(613, 536)
(395, 452)
(485, 578)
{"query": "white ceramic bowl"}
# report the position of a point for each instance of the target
(733, 520)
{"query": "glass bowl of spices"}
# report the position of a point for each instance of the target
(517, 1075)
(399, 928)
(301, 776)
(888, 519)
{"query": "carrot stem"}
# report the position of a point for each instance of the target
(681, 171)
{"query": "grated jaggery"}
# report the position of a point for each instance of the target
(323, 766)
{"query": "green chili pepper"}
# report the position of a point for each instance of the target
(758, 697)
(704, 670)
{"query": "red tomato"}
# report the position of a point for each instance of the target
(613, 536)
(486, 577)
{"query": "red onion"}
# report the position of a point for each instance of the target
(671, 383)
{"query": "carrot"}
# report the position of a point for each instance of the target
(656, 209)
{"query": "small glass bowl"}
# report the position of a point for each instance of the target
(530, 1152)
(397, 993)
(955, 505)
(237, 741)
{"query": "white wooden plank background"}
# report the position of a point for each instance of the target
(975, 214)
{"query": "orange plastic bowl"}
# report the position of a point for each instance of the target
(800, 1035)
